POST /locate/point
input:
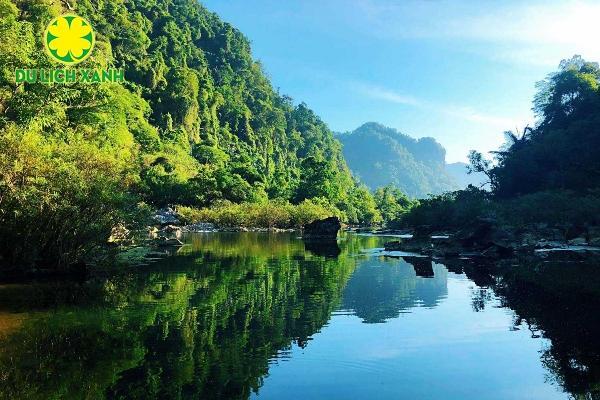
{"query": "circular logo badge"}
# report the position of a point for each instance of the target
(69, 39)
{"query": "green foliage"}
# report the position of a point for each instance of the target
(547, 174)
(449, 210)
(57, 198)
(196, 123)
(271, 214)
(560, 152)
(557, 208)
(463, 208)
(392, 203)
(362, 207)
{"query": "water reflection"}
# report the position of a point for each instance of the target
(218, 320)
(382, 288)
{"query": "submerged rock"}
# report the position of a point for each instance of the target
(172, 231)
(163, 241)
(200, 227)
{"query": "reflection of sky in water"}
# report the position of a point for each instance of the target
(433, 344)
(381, 288)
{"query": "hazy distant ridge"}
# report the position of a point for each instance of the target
(380, 156)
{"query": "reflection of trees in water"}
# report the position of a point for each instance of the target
(561, 302)
(202, 325)
(381, 289)
(205, 324)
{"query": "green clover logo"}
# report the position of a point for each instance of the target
(69, 39)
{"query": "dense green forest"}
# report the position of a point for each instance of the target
(196, 123)
(549, 173)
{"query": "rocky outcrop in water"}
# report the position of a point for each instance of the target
(322, 228)
(491, 240)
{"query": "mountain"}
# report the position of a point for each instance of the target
(379, 156)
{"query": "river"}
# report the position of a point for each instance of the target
(267, 316)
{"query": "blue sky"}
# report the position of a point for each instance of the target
(461, 72)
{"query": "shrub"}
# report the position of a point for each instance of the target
(551, 207)
(58, 200)
(449, 210)
(268, 214)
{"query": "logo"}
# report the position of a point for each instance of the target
(69, 39)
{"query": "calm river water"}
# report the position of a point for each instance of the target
(267, 316)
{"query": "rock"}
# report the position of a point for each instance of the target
(394, 245)
(323, 228)
(200, 227)
(166, 216)
(528, 240)
(163, 241)
(496, 252)
(120, 235)
(409, 245)
(549, 244)
(504, 239)
(476, 235)
(450, 251)
(579, 241)
(422, 232)
(172, 230)
(153, 232)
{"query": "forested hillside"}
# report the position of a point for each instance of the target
(561, 151)
(381, 156)
(548, 174)
(196, 122)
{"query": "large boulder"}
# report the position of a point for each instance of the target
(323, 228)
(166, 216)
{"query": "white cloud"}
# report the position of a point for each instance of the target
(520, 32)
(466, 113)
(470, 114)
(380, 93)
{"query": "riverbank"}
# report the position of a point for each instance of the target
(489, 239)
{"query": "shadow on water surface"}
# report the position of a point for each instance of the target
(208, 322)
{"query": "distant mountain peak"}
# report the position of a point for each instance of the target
(379, 155)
